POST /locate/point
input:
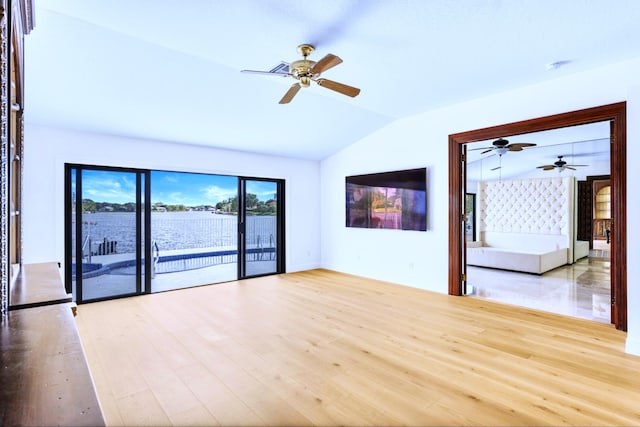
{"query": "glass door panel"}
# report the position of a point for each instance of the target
(106, 229)
(467, 288)
(73, 259)
(261, 227)
(194, 229)
(470, 223)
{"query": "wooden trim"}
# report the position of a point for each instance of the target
(619, 217)
(5, 218)
(16, 20)
(455, 224)
(616, 113)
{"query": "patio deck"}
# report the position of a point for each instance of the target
(120, 280)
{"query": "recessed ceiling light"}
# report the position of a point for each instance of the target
(557, 64)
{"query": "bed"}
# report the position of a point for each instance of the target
(529, 253)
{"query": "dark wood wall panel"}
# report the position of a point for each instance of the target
(585, 212)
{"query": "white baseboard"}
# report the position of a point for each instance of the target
(302, 267)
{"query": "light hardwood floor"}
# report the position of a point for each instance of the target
(324, 348)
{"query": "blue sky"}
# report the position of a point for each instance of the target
(189, 189)
(106, 186)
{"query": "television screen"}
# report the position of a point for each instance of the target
(393, 200)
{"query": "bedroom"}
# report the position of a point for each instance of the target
(529, 239)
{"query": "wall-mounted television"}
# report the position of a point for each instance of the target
(391, 200)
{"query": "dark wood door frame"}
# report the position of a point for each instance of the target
(616, 115)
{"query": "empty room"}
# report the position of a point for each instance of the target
(352, 212)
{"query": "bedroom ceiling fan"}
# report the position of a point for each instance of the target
(501, 146)
(305, 71)
(560, 165)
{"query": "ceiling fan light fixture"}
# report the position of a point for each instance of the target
(501, 150)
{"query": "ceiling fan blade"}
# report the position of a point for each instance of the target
(329, 61)
(573, 166)
(486, 151)
(496, 168)
(547, 167)
(268, 73)
(519, 146)
(290, 93)
(339, 87)
(569, 167)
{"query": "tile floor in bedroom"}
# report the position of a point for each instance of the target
(580, 290)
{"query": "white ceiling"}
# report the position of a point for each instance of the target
(170, 70)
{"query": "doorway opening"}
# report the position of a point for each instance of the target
(530, 207)
(615, 116)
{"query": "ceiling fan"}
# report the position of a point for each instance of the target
(305, 71)
(560, 165)
(501, 146)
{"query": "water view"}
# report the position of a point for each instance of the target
(169, 230)
(193, 230)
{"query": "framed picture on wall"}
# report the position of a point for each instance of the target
(392, 200)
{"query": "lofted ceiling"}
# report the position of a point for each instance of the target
(169, 70)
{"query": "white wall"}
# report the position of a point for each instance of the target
(420, 259)
(48, 149)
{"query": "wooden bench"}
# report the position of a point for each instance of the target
(37, 285)
(45, 376)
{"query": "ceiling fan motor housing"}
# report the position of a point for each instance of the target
(305, 49)
(301, 70)
(500, 142)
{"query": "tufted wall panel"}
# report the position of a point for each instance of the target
(529, 206)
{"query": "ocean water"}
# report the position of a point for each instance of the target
(175, 230)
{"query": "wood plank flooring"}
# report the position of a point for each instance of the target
(324, 348)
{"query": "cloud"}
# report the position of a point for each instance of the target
(265, 190)
(172, 178)
(107, 187)
(214, 193)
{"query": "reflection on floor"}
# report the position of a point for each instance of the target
(114, 284)
(190, 278)
(580, 290)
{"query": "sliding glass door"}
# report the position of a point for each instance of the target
(105, 225)
(261, 229)
(193, 229)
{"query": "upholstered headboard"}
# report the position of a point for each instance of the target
(534, 212)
